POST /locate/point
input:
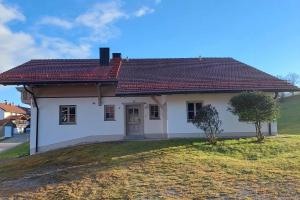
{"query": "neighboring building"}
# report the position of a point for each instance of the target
(6, 128)
(13, 119)
(9, 109)
(14, 124)
(89, 100)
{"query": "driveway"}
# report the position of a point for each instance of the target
(12, 142)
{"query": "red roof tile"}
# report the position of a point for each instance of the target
(150, 76)
(184, 75)
(12, 108)
(12, 118)
(57, 70)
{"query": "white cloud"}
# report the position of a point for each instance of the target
(18, 47)
(143, 11)
(101, 15)
(96, 25)
(58, 47)
(48, 20)
(100, 19)
(10, 13)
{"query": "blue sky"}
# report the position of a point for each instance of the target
(262, 33)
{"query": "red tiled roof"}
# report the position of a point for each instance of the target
(116, 64)
(12, 108)
(184, 75)
(12, 118)
(4, 121)
(150, 76)
(57, 70)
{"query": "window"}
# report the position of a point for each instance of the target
(154, 112)
(109, 112)
(67, 115)
(192, 110)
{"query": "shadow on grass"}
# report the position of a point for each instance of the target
(111, 153)
(103, 154)
(73, 163)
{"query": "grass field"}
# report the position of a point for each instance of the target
(289, 121)
(170, 169)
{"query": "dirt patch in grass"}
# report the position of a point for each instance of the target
(172, 169)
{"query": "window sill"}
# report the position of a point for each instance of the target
(154, 119)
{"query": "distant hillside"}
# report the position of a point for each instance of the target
(289, 121)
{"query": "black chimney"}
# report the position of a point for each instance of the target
(116, 55)
(104, 56)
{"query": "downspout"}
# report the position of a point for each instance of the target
(37, 118)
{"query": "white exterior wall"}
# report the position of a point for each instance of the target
(90, 122)
(7, 114)
(91, 127)
(179, 127)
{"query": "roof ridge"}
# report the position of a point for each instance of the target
(173, 58)
(62, 59)
(163, 58)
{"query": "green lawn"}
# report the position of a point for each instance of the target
(289, 121)
(169, 169)
(16, 152)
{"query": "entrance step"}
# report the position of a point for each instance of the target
(134, 137)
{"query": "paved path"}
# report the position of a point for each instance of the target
(14, 141)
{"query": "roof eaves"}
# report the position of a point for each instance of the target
(200, 92)
(53, 82)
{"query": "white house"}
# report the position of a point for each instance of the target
(87, 100)
(12, 119)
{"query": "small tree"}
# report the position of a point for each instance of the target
(254, 107)
(293, 78)
(207, 119)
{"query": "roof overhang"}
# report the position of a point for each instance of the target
(57, 82)
(158, 93)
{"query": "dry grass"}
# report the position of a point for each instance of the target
(172, 169)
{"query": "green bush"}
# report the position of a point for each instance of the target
(207, 119)
(256, 108)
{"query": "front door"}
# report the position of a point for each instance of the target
(134, 120)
